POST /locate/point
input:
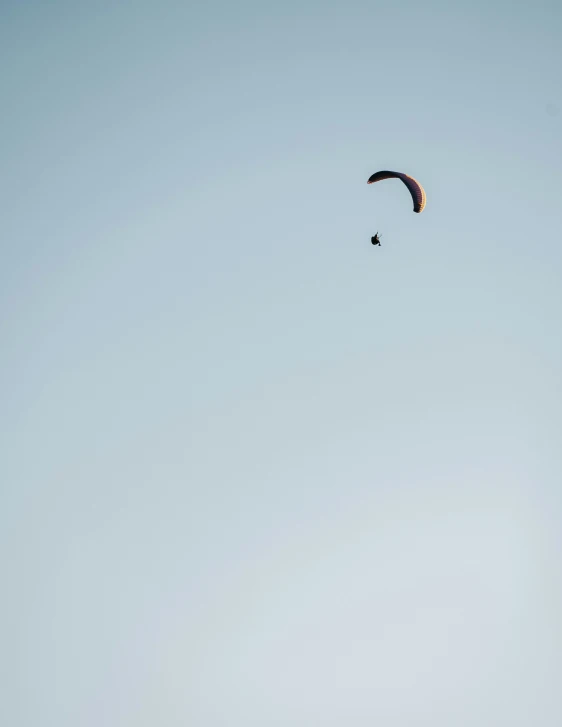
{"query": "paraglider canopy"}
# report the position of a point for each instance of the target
(414, 187)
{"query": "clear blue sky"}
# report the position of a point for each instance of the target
(255, 471)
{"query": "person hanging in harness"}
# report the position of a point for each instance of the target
(376, 240)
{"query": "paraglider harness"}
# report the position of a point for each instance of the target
(376, 240)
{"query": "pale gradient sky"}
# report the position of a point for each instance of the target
(255, 471)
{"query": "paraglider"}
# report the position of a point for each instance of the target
(414, 187)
